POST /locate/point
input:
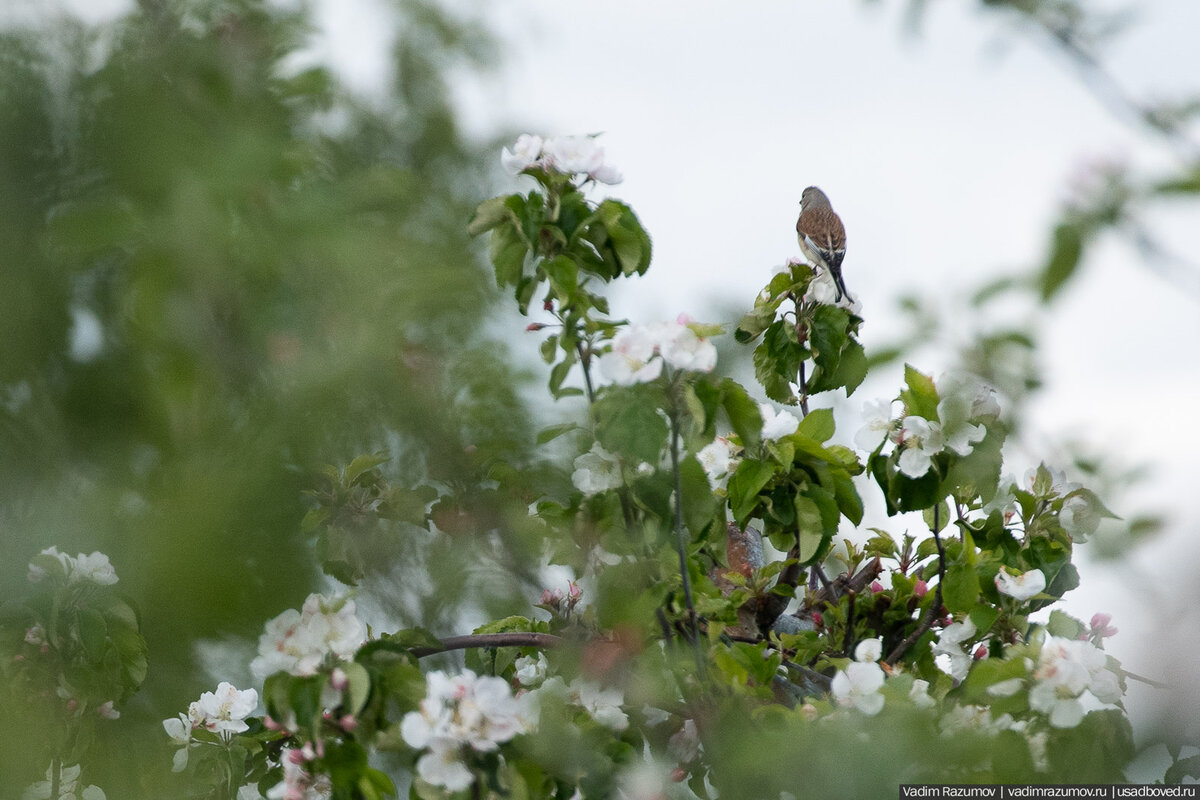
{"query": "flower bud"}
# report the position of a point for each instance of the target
(920, 587)
(876, 587)
(338, 679)
(348, 722)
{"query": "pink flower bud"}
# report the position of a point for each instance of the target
(72, 704)
(270, 724)
(548, 305)
(573, 590)
(18, 657)
(348, 722)
(920, 588)
(981, 652)
(876, 587)
(678, 775)
(817, 619)
(296, 756)
(338, 679)
(535, 326)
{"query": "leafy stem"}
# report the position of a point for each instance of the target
(934, 607)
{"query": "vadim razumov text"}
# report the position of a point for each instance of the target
(934, 791)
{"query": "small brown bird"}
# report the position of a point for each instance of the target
(822, 236)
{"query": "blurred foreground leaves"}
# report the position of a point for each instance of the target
(221, 271)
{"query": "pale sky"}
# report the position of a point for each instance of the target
(946, 152)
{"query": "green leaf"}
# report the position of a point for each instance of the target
(1064, 625)
(93, 633)
(563, 273)
(552, 432)
(507, 251)
(920, 398)
(628, 424)
(746, 482)
(744, 416)
(489, 214)
(362, 464)
(699, 502)
(817, 425)
(358, 688)
(411, 638)
(811, 528)
(1065, 253)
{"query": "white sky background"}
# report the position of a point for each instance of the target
(947, 153)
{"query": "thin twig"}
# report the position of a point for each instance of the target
(935, 607)
(585, 360)
(848, 638)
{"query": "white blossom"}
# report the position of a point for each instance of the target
(596, 471)
(919, 694)
(718, 460)
(682, 348)
(921, 440)
(684, 744)
(531, 671)
(68, 787)
(1067, 668)
(869, 650)
(950, 645)
(525, 154)
(603, 704)
(94, 567)
(222, 712)
(877, 424)
(179, 729)
(458, 712)
(1079, 517)
(632, 358)
(777, 424)
(858, 685)
(1020, 587)
(298, 642)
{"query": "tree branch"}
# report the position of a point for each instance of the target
(473, 640)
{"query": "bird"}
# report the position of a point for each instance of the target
(822, 236)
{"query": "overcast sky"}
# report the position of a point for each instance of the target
(947, 152)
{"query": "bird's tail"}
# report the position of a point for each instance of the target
(838, 283)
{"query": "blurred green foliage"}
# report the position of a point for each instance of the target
(222, 271)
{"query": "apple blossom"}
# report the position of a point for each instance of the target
(1067, 669)
(777, 424)
(596, 471)
(531, 671)
(459, 712)
(920, 439)
(877, 424)
(1079, 517)
(297, 783)
(299, 642)
(1020, 587)
(632, 358)
(224, 711)
(525, 154)
(869, 650)
(950, 645)
(718, 460)
(858, 685)
(68, 787)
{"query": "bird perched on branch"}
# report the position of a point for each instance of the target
(822, 236)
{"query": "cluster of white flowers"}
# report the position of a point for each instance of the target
(963, 404)
(639, 351)
(297, 783)
(298, 642)
(1021, 587)
(68, 787)
(459, 712)
(222, 712)
(569, 155)
(1067, 670)
(94, 567)
(859, 683)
